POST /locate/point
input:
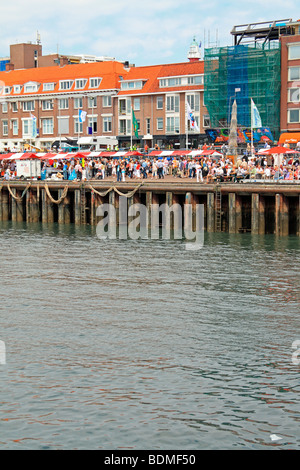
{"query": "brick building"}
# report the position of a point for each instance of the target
(41, 104)
(290, 86)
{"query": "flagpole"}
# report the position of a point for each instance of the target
(131, 129)
(186, 126)
(78, 129)
(251, 128)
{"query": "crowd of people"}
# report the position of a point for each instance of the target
(201, 169)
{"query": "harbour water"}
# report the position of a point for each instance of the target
(144, 345)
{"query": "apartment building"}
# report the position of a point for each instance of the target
(290, 86)
(41, 105)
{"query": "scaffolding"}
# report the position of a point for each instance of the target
(240, 73)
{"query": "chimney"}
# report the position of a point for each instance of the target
(9, 66)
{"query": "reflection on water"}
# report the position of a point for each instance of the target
(144, 345)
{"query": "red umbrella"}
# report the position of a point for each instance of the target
(28, 156)
(277, 150)
(134, 153)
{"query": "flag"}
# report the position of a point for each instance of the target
(34, 129)
(135, 125)
(191, 118)
(81, 115)
(255, 116)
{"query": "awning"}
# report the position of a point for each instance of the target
(85, 141)
(289, 138)
(211, 152)
(180, 153)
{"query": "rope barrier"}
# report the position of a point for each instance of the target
(131, 193)
(113, 188)
(100, 194)
(58, 201)
(18, 198)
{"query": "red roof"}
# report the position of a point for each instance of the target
(151, 74)
(108, 71)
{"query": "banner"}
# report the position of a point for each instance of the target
(135, 125)
(255, 116)
(261, 135)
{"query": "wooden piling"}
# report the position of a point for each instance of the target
(210, 212)
(281, 215)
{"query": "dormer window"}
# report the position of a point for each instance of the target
(95, 82)
(132, 84)
(30, 87)
(80, 83)
(48, 86)
(17, 88)
(65, 84)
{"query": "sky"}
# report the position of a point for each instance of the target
(144, 33)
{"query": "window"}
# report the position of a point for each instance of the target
(172, 125)
(48, 86)
(132, 85)
(92, 123)
(125, 106)
(63, 103)
(77, 126)
(195, 80)
(294, 95)
(30, 88)
(77, 103)
(28, 106)
(80, 83)
(174, 81)
(92, 102)
(47, 126)
(7, 90)
(159, 102)
(136, 104)
(4, 107)
(170, 82)
(95, 82)
(17, 88)
(293, 115)
(148, 127)
(63, 125)
(206, 120)
(294, 73)
(14, 107)
(159, 124)
(65, 84)
(294, 51)
(173, 103)
(106, 101)
(5, 127)
(194, 101)
(27, 126)
(107, 124)
(15, 126)
(125, 126)
(47, 104)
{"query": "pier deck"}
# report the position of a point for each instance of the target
(261, 207)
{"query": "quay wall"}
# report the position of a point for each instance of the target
(259, 208)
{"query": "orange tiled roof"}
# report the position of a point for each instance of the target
(153, 72)
(109, 72)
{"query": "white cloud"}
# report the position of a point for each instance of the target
(149, 33)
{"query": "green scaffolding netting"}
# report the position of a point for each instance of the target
(243, 72)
